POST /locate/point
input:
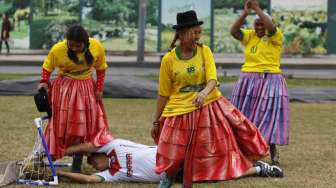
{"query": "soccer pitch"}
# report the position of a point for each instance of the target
(308, 161)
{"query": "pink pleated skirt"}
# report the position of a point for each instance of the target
(215, 142)
(77, 116)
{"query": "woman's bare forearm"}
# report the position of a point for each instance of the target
(160, 105)
(235, 28)
(211, 84)
(81, 148)
(81, 178)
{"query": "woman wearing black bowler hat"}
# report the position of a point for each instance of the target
(198, 130)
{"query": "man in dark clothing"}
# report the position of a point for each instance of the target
(5, 29)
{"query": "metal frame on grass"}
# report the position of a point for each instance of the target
(39, 124)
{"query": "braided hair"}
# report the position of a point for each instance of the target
(78, 34)
(173, 43)
(176, 37)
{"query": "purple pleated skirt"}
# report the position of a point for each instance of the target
(263, 98)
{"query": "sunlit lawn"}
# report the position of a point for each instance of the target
(309, 160)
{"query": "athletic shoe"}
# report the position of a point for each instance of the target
(269, 170)
(166, 181)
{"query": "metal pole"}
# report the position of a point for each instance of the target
(159, 27)
(31, 6)
(331, 27)
(212, 26)
(141, 30)
(269, 7)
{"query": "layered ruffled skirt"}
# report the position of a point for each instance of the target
(215, 142)
(77, 116)
(263, 98)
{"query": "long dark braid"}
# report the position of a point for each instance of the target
(176, 37)
(173, 43)
(78, 34)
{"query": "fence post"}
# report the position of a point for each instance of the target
(331, 27)
(141, 31)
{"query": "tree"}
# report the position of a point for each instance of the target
(116, 10)
(152, 11)
(236, 4)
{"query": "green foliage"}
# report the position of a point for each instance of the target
(72, 6)
(122, 12)
(298, 39)
(55, 32)
(224, 42)
(94, 26)
(236, 4)
(5, 7)
(40, 33)
(117, 11)
(152, 12)
(53, 7)
(20, 3)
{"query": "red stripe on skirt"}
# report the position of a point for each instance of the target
(215, 142)
(76, 116)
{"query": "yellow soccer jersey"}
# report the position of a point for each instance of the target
(181, 80)
(58, 58)
(262, 54)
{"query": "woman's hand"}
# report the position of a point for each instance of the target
(155, 129)
(247, 7)
(99, 95)
(254, 4)
(42, 85)
(199, 99)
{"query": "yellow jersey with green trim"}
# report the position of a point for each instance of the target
(58, 58)
(181, 80)
(262, 54)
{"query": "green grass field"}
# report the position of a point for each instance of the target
(292, 82)
(309, 160)
(15, 76)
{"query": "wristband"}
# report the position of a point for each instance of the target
(202, 94)
(156, 124)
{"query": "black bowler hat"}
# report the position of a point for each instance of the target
(187, 19)
(42, 102)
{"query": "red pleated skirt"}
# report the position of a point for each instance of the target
(215, 142)
(76, 116)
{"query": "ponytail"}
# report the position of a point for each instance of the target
(87, 54)
(173, 43)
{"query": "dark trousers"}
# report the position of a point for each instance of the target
(7, 45)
